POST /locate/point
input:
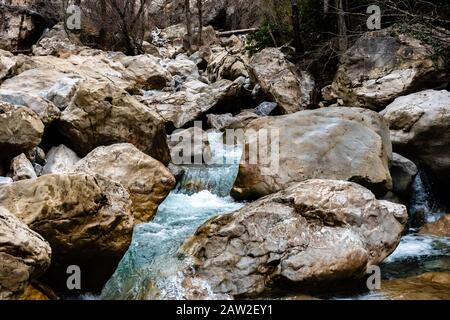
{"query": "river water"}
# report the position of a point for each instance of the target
(152, 266)
(152, 263)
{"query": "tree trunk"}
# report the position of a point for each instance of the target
(342, 25)
(200, 22)
(187, 10)
(296, 26)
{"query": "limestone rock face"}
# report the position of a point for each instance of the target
(59, 160)
(101, 114)
(420, 129)
(24, 255)
(383, 65)
(313, 234)
(86, 219)
(332, 143)
(278, 78)
(21, 168)
(20, 130)
(147, 180)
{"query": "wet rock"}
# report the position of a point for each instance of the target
(266, 108)
(440, 228)
(194, 99)
(147, 180)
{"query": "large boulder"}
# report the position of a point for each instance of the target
(59, 160)
(102, 114)
(20, 130)
(147, 180)
(24, 255)
(86, 219)
(315, 234)
(383, 65)
(332, 143)
(194, 99)
(420, 129)
(280, 80)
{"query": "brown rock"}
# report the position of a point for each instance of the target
(278, 78)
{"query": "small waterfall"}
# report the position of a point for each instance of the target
(151, 267)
